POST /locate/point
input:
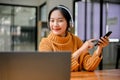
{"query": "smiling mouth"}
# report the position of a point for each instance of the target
(56, 29)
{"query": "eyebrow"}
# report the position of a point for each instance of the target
(58, 18)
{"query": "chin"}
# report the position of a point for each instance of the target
(56, 33)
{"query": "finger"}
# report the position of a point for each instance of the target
(92, 40)
(102, 41)
(105, 40)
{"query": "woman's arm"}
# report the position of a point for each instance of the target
(81, 51)
(84, 48)
(89, 62)
(92, 62)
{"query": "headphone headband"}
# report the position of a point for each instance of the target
(68, 12)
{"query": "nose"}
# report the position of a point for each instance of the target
(55, 23)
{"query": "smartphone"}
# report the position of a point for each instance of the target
(107, 34)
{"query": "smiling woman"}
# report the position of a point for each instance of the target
(60, 39)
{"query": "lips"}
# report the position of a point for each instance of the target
(57, 29)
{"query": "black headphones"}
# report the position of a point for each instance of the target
(71, 22)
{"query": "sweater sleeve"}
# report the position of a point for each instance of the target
(74, 64)
(90, 63)
(45, 45)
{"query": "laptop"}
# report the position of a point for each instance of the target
(35, 65)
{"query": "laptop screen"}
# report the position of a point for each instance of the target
(35, 65)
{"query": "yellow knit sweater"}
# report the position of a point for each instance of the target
(70, 43)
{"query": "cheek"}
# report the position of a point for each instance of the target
(50, 25)
(65, 26)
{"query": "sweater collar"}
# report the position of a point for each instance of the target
(58, 39)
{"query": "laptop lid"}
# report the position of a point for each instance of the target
(35, 65)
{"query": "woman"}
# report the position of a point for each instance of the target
(60, 39)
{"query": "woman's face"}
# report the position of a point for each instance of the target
(58, 23)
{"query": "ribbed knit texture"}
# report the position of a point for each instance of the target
(70, 43)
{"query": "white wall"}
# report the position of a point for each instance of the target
(21, 2)
(52, 3)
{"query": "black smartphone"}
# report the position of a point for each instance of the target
(107, 34)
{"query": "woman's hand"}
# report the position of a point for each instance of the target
(88, 45)
(103, 41)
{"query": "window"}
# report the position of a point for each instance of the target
(17, 28)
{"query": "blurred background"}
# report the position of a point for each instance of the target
(24, 22)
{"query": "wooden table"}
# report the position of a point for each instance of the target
(111, 74)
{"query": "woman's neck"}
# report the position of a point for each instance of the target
(63, 35)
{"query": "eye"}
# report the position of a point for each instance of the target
(60, 20)
(51, 20)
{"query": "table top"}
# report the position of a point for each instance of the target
(111, 74)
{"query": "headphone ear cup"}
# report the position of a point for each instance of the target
(71, 24)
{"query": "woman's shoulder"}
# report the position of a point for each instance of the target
(45, 45)
(44, 40)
